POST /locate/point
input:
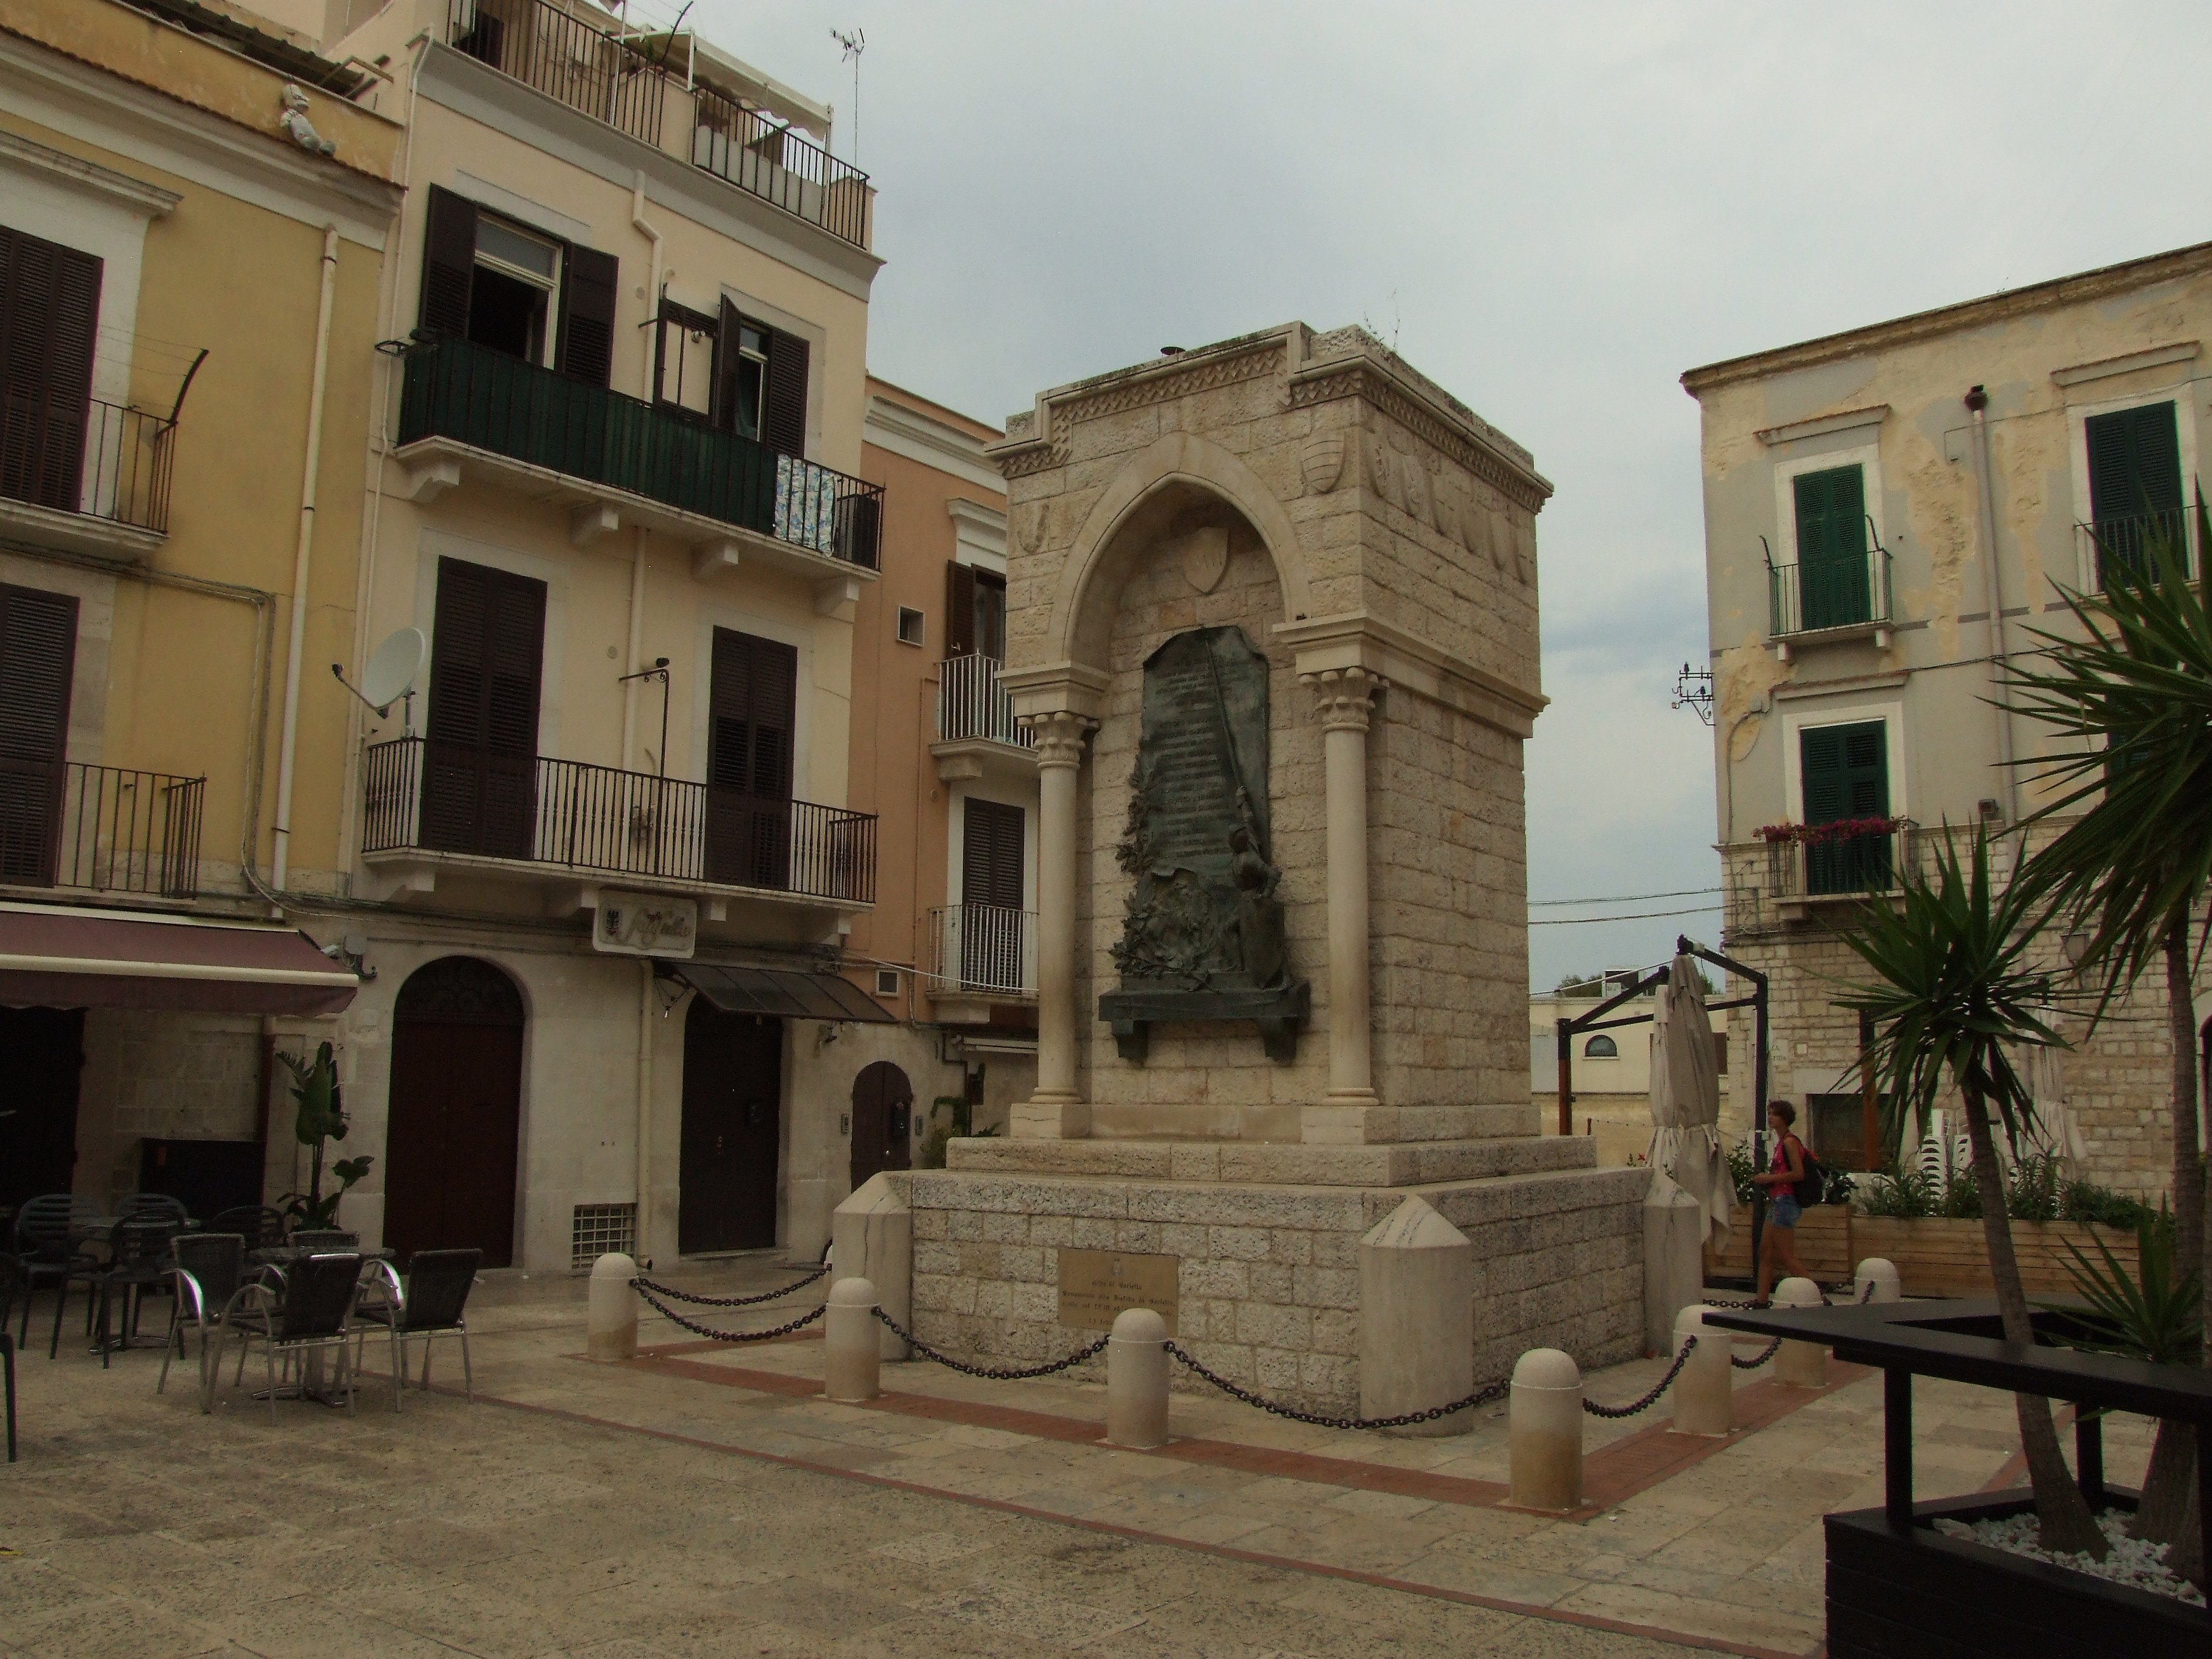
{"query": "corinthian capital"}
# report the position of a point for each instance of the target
(1343, 697)
(1059, 736)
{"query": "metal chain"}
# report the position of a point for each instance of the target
(1481, 1396)
(1758, 1359)
(1612, 1412)
(643, 1284)
(674, 1317)
(990, 1372)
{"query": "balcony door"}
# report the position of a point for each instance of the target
(1831, 547)
(1845, 776)
(49, 319)
(480, 756)
(991, 916)
(753, 710)
(2135, 487)
(38, 655)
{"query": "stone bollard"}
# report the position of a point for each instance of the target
(851, 1360)
(1883, 1276)
(610, 1315)
(872, 1237)
(1544, 1431)
(1416, 1318)
(1800, 1365)
(1137, 1381)
(1705, 1392)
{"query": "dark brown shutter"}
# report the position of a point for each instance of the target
(38, 653)
(991, 854)
(726, 354)
(449, 264)
(752, 700)
(783, 418)
(486, 666)
(959, 610)
(49, 321)
(588, 284)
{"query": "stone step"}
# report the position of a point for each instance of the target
(1368, 1125)
(1396, 1163)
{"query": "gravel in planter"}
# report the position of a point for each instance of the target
(2134, 1562)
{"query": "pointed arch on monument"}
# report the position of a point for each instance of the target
(1173, 473)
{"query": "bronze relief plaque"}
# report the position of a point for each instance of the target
(1096, 1285)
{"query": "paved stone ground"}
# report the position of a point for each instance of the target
(700, 1502)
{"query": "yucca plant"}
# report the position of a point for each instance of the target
(1953, 997)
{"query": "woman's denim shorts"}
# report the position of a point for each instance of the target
(1786, 1211)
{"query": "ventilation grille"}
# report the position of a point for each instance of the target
(599, 1228)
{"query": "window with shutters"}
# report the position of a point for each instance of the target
(761, 382)
(1844, 771)
(38, 654)
(480, 751)
(49, 322)
(500, 285)
(975, 613)
(753, 710)
(1832, 551)
(991, 921)
(2135, 487)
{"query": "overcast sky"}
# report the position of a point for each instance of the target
(1552, 210)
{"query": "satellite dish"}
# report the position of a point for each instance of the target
(394, 666)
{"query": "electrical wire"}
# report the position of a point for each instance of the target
(1646, 915)
(1626, 898)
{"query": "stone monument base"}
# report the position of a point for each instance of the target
(1265, 1246)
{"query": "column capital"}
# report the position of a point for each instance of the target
(1059, 736)
(1343, 696)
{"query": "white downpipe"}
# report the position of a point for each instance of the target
(638, 1241)
(637, 566)
(2000, 657)
(302, 560)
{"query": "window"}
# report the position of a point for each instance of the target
(1845, 773)
(1833, 561)
(2135, 486)
(487, 653)
(509, 289)
(1720, 1053)
(975, 613)
(49, 319)
(1838, 1130)
(512, 290)
(684, 346)
(887, 982)
(38, 655)
(1600, 1047)
(911, 625)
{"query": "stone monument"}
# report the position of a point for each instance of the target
(1272, 620)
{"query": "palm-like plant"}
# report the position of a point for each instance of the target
(1954, 996)
(2134, 693)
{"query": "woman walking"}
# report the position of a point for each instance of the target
(1778, 1251)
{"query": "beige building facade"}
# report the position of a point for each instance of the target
(1890, 515)
(1611, 1074)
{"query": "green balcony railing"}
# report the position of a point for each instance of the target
(1808, 597)
(471, 394)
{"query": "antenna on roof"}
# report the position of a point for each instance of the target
(854, 44)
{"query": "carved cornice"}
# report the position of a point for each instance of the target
(1155, 387)
(1354, 639)
(1360, 378)
(1344, 698)
(1059, 738)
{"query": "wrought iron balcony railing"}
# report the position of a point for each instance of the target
(473, 395)
(1840, 866)
(759, 154)
(2125, 546)
(983, 950)
(420, 794)
(101, 829)
(565, 57)
(1806, 599)
(971, 703)
(77, 454)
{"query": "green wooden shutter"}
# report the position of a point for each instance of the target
(2134, 483)
(1843, 772)
(1831, 547)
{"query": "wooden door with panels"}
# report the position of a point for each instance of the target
(752, 712)
(480, 753)
(732, 1130)
(882, 1121)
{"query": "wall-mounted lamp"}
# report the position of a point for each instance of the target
(2076, 947)
(657, 671)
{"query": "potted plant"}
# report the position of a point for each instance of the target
(320, 1120)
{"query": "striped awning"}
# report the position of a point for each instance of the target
(783, 993)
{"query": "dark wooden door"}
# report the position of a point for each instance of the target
(991, 918)
(38, 657)
(732, 1130)
(480, 756)
(883, 1119)
(49, 321)
(41, 1053)
(752, 703)
(451, 1143)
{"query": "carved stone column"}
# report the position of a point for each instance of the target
(1056, 1111)
(1342, 699)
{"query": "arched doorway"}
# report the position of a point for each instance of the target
(732, 1130)
(456, 1111)
(882, 1105)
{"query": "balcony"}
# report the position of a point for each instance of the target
(632, 84)
(1834, 863)
(85, 476)
(99, 829)
(1830, 602)
(2121, 546)
(427, 803)
(466, 408)
(981, 954)
(975, 727)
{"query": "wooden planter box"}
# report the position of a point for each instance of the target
(1917, 1592)
(1935, 1257)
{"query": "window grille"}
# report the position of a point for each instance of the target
(599, 1228)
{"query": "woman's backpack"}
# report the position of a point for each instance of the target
(1812, 1187)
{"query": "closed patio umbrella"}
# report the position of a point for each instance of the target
(1691, 1197)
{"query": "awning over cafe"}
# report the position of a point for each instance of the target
(782, 992)
(53, 957)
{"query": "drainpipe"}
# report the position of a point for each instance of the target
(302, 559)
(644, 1108)
(1977, 402)
(645, 391)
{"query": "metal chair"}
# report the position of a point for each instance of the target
(208, 1269)
(303, 1309)
(137, 1260)
(258, 1225)
(13, 1284)
(47, 1245)
(434, 1304)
